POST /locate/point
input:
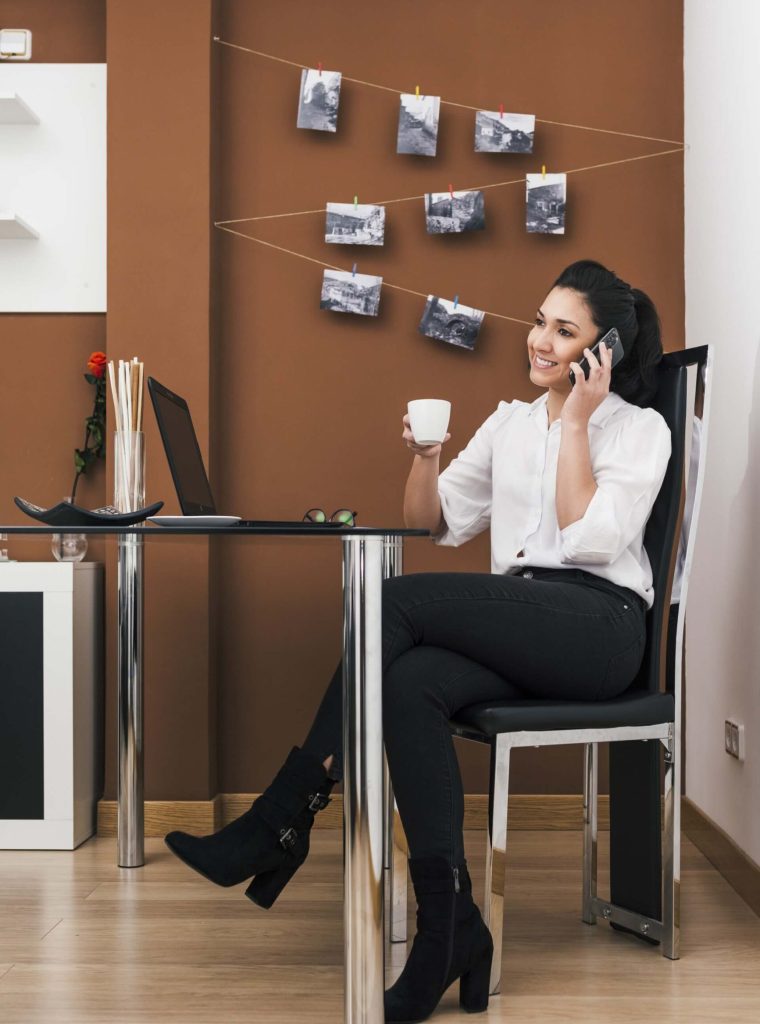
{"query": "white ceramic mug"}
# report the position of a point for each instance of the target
(429, 419)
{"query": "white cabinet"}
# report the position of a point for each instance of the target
(51, 703)
(52, 188)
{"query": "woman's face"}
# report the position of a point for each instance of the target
(563, 329)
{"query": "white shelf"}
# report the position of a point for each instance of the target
(13, 110)
(12, 226)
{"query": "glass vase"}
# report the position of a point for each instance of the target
(69, 547)
(129, 470)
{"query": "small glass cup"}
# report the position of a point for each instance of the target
(68, 547)
(129, 470)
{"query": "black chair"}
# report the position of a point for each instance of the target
(644, 854)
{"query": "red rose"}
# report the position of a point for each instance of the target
(96, 364)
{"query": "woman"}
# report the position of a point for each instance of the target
(566, 484)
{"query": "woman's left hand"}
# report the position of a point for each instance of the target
(587, 395)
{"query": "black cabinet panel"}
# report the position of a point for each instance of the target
(22, 783)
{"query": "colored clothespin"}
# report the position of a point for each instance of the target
(353, 272)
(417, 91)
(320, 68)
(456, 301)
(451, 190)
(356, 201)
(543, 171)
(501, 110)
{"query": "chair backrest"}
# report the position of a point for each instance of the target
(666, 545)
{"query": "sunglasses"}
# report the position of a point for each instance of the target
(342, 517)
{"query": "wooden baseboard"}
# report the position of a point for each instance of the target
(739, 870)
(559, 812)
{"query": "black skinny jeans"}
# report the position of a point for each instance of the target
(457, 638)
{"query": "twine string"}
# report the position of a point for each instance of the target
(223, 225)
(481, 188)
(331, 266)
(449, 103)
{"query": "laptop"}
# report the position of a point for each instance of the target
(187, 468)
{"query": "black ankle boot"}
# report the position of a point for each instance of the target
(267, 885)
(274, 830)
(452, 941)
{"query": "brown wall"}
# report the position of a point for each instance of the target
(314, 400)
(305, 406)
(159, 264)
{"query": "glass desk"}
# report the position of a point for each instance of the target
(370, 554)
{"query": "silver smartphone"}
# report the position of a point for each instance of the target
(612, 340)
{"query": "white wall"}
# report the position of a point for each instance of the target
(722, 261)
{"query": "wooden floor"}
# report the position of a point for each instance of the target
(85, 942)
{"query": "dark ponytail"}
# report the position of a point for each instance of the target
(613, 303)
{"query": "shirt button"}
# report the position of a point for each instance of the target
(528, 574)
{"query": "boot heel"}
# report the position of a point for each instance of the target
(266, 887)
(474, 985)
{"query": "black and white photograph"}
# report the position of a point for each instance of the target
(545, 203)
(344, 292)
(418, 124)
(318, 102)
(452, 212)
(500, 132)
(450, 322)
(355, 224)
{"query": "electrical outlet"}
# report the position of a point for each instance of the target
(734, 739)
(15, 44)
(728, 737)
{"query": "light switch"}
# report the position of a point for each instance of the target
(15, 44)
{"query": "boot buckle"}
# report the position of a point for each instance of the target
(318, 802)
(288, 838)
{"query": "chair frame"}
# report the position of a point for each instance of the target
(667, 930)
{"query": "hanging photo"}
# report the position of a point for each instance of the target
(497, 132)
(418, 124)
(451, 212)
(318, 103)
(344, 292)
(457, 325)
(545, 203)
(349, 224)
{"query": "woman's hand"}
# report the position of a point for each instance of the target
(587, 395)
(425, 451)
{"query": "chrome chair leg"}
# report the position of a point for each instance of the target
(394, 847)
(396, 857)
(399, 858)
(387, 815)
(671, 850)
(590, 810)
(496, 854)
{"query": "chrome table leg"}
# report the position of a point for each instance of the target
(129, 794)
(363, 779)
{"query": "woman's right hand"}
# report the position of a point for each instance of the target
(425, 451)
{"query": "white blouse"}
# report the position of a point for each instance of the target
(506, 478)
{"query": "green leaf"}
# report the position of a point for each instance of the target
(91, 378)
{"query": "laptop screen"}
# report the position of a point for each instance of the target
(182, 451)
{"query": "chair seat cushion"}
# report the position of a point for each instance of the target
(636, 707)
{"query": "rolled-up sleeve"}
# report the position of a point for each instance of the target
(628, 474)
(465, 487)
